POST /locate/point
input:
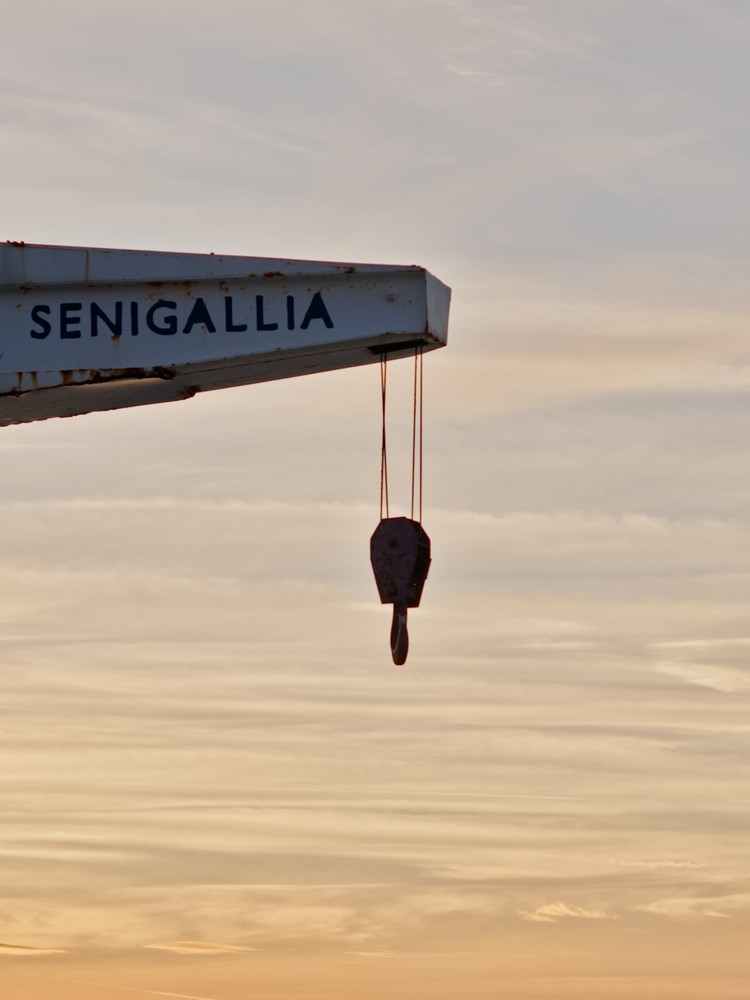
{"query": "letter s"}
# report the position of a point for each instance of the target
(44, 325)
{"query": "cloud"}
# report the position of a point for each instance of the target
(702, 643)
(382, 953)
(26, 950)
(551, 912)
(718, 663)
(178, 996)
(707, 675)
(142, 992)
(198, 948)
(690, 908)
(662, 864)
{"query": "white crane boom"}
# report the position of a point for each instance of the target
(85, 329)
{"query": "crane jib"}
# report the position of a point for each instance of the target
(86, 329)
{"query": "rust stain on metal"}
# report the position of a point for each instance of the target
(109, 375)
(273, 274)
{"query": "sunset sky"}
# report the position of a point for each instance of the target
(215, 784)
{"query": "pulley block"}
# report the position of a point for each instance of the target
(400, 557)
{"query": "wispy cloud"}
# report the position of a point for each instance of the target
(28, 951)
(551, 912)
(382, 953)
(662, 864)
(691, 908)
(198, 948)
(713, 676)
(478, 75)
(142, 991)
(708, 642)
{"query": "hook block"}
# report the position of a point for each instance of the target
(400, 557)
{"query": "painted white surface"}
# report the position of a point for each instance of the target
(87, 329)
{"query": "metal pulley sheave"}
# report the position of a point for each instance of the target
(400, 557)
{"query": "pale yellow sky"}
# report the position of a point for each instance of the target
(215, 785)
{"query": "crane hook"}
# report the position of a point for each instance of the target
(399, 635)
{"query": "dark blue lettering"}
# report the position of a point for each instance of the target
(170, 322)
(45, 327)
(134, 318)
(199, 314)
(316, 310)
(261, 323)
(115, 325)
(231, 326)
(69, 320)
(290, 312)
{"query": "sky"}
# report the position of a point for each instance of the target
(215, 784)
